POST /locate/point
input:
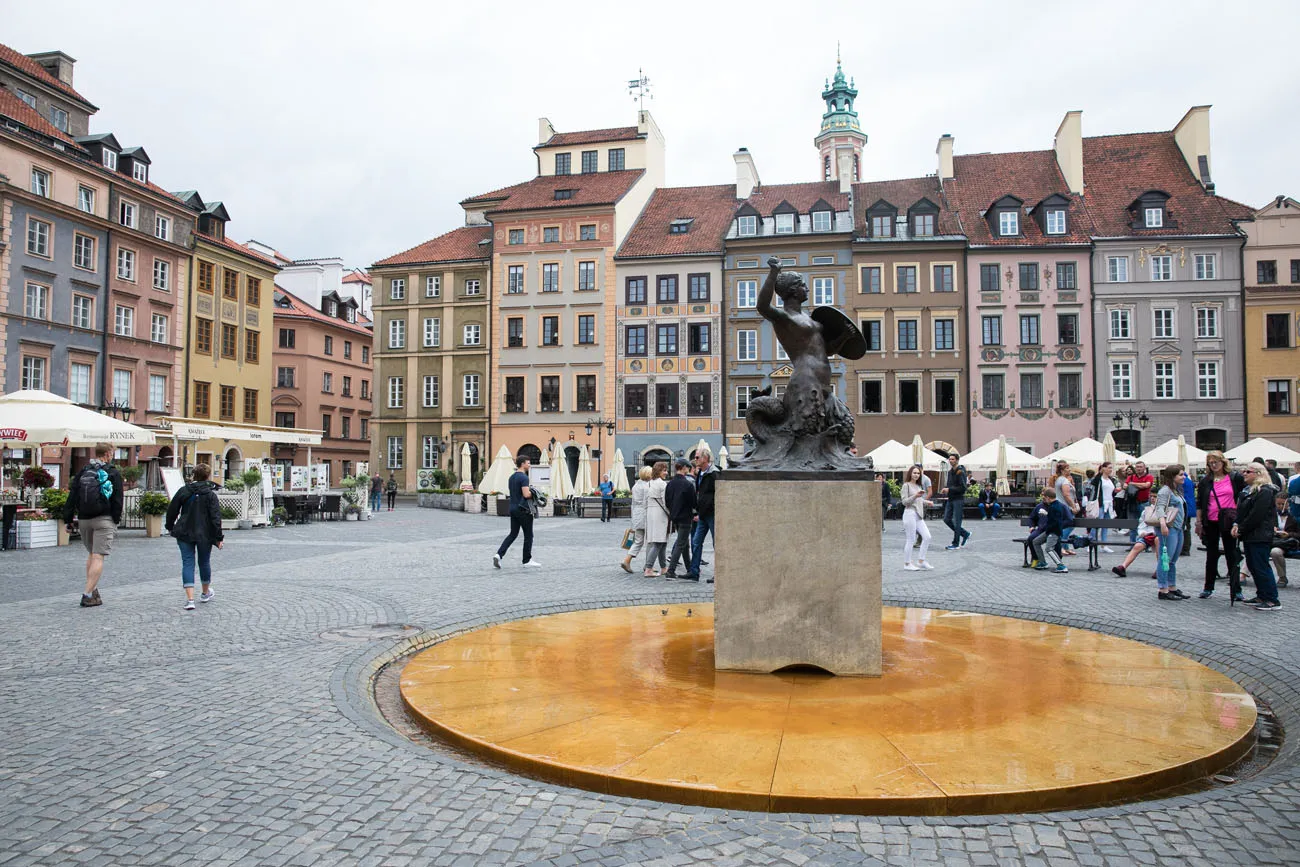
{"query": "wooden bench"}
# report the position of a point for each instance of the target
(1094, 559)
(589, 507)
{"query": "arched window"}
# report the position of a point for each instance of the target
(857, 172)
(530, 451)
(826, 168)
(1212, 439)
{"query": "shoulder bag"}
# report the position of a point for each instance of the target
(1228, 516)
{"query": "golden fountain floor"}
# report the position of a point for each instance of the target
(974, 714)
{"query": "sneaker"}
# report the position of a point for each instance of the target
(911, 567)
(1281, 582)
(691, 576)
(1254, 600)
(1061, 568)
(94, 594)
(670, 576)
(1268, 606)
(91, 601)
(1120, 571)
(189, 604)
(1106, 549)
(925, 564)
(1165, 597)
(533, 564)
(207, 597)
(1238, 597)
(496, 560)
(964, 540)
(1040, 568)
(951, 547)
(1205, 594)
(1174, 591)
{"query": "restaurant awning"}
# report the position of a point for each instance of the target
(195, 430)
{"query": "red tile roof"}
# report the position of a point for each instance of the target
(238, 248)
(299, 309)
(982, 179)
(592, 136)
(801, 197)
(458, 245)
(902, 194)
(12, 106)
(710, 207)
(358, 276)
(1119, 168)
(30, 67)
(597, 188)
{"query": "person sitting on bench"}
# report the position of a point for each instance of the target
(1145, 543)
(990, 508)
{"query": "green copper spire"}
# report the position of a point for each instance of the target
(839, 95)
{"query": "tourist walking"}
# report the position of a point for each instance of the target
(1171, 510)
(1047, 543)
(376, 492)
(1286, 539)
(194, 520)
(95, 499)
(640, 499)
(914, 502)
(955, 490)
(1216, 500)
(1140, 483)
(1254, 528)
(523, 508)
(392, 492)
(680, 496)
(606, 499)
(656, 522)
(990, 508)
(705, 477)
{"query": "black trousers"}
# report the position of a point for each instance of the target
(1218, 536)
(606, 509)
(392, 499)
(519, 521)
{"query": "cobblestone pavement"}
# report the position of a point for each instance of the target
(246, 732)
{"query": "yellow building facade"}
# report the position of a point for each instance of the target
(1272, 340)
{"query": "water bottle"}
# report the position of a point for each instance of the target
(1164, 557)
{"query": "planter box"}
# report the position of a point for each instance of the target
(450, 502)
(473, 502)
(503, 507)
(229, 523)
(153, 526)
(38, 534)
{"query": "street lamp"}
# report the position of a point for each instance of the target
(1130, 416)
(601, 426)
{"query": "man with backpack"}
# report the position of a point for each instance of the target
(194, 519)
(95, 499)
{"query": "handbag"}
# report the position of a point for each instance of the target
(1092, 509)
(1227, 517)
(1152, 515)
(629, 539)
(1131, 491)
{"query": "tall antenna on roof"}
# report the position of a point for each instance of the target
(640, 89)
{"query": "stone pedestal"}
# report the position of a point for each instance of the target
(798, 572)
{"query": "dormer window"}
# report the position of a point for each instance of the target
(1151, 211)
(563, 194)
(1009, 223)
(747, 226)
(1155, 218)
(59, 118)
(680, 226)
(821, 221)
(922, 225)
(1056, 221)
(140, 172)
(785, 224)
(110, 159)
(881, 217)
(331, 307)
(26, 97)
(922, 218)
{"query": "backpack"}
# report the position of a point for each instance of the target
(91, 501)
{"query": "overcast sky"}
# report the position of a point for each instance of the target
(349, 129)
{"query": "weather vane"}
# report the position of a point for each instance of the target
(639, 88)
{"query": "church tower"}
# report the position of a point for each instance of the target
(841, 140)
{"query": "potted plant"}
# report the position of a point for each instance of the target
(34, 478)
(53, 501)
(503, 503)
(279, 516)
(229, 518)
(153, 505)
(423, 496)
(36, 530)
(352, 510)
(131, 475)
(363, 491)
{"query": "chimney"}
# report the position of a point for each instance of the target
(544, 130)
(1068, 145)
(944, 150)
(844, 167)
(746, 174)
(1193, 137)
(56, 63)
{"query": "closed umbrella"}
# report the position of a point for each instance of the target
(497, 479)
(620, 475)
(544, 460)
(561, 483)
(918, 450)
(1182, 450)
(703, 446)
(1004, 485)
(583, 485)
(465, 465)
(722, 458)
(1108, 449)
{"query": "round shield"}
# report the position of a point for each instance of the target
(842, 335)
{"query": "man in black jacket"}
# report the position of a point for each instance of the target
(955, 490)
(95, 499)
(705, 476)
(194, 518)
(680, 498)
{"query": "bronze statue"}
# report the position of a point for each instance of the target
(808, 428)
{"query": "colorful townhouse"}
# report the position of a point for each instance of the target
(1272, 322)
(669, 318)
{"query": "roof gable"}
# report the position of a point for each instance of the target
(592, 136)
(596, 188)
(32, 69)
(710, 209)
(458, 245)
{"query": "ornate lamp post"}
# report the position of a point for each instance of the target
(1130, 416)
(601, 426)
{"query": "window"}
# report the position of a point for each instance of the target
(1121, 380)
(746, 294)
(158, 328)
(1207, 323)
(286, 419)
(347, 386)
(1277, 330)
(433, 333)
(514, 331)
(945, 395)
(203, 336)
(906, 335)
(287, 338)
(1056, 221)
(1070, 386)
(252, 346)
(551, 277)
(944, 334)
(26, 97)
(473, 287)
(1207, 380)
(1029, 333)
(124, 321)
(206, 277)
(882, 226)
(432, 286)
(202, 399)
(1031, 390)
(109, 159)
(587, 328)
(616, 161)
(396, 390)
(551, 235)
(162, 226)
(1205, 266)
(989, 278)
(1117, 269)
(59, 118)
(821, 221)
(1162, 323)
(589, 162)
(125, 264)
(871, 330)
(430, 392)
(666, 288)
(549, 394)
(36, 301)
(697, 287)
(909, 396)
(250, 408)
(823, 290)
(127, 214)
(666, 399)
(397, 289)
(396, 333)
(83, 311)
(329, 345)
(1165, 380)
(550, 331)
(586, 276)
(943, 279)
(1028, 276)
(327, 382)
(634, 290)
(514, 394)
(38, 238)
(162, 275)
(587, 232)
(395, 453)
(905, 278)
(472, 335)
(346, 433)
(871, 279)
(747, 226)
(666, 340)
(227, 404)
(253, 293)
(41, 183)
(79, 384)
(586, 391)
(873, 396)
(1295, 270)
(1279, 396)
(991, 330)
(699, 339)
(1067, 276)
(743, 394)
(1121, 325)
(514, 279)
(33, 375)
(994, 395)
(1266, 271)
(1067, 329)
(1155, 217)
(1162, 268)
(85, 199)
(563, 164)
(229, 284)
(747, 345)
(122, 386)
(284, 377)
(634, 340)
(785, 224)
(1008, 223)
(922, 225)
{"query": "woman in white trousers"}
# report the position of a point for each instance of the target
(914, 503)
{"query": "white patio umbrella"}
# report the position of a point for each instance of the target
(722, 458)
(582, 485)
(619, 474)
(31, 418)
(1172, 452)
(465, 464)
(497, 478)
(1087, 453)
(561, 483)
(1262, 448)
(994, 453)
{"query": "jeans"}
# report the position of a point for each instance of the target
(703, 527)
(1218, 536)
(913, 525)
(995, 508)
(952, 515)
(682, 550)
(376, 500)
(606, 509)
(1257, 561)
(1135, 510)
(518, 521)
(1173, 546)
(188, 551)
